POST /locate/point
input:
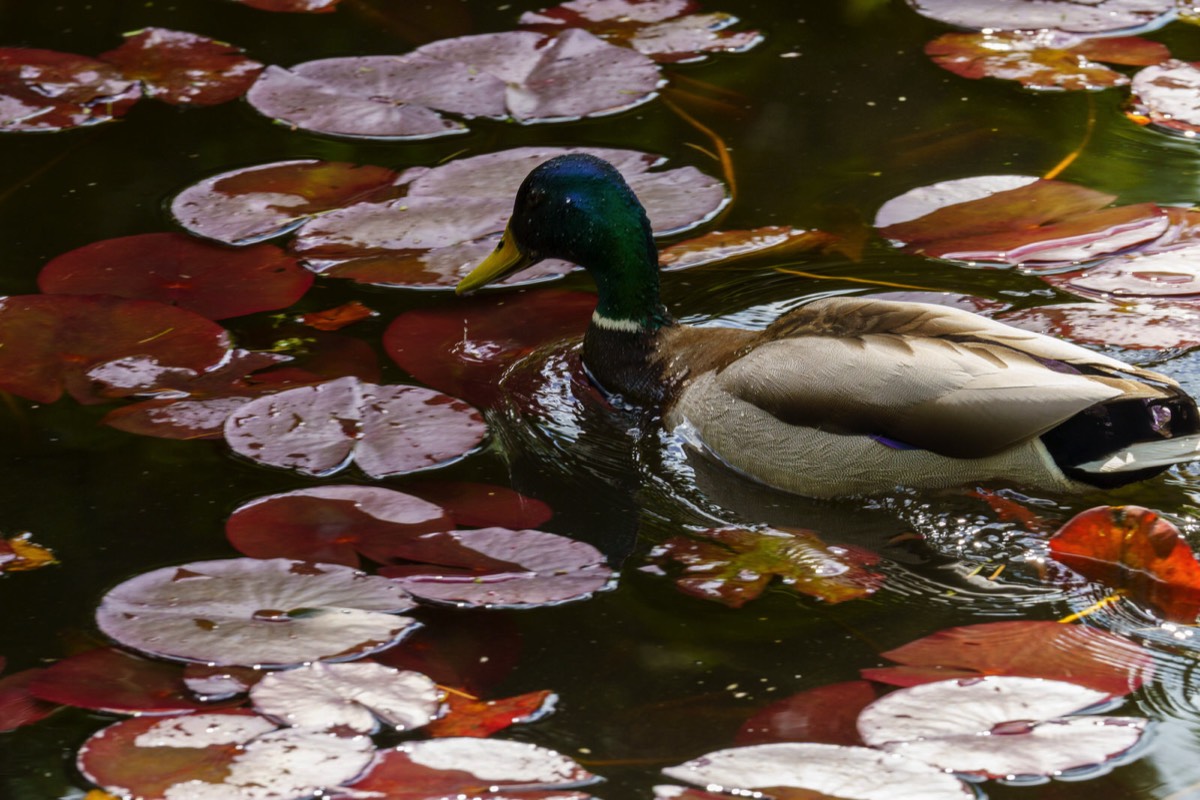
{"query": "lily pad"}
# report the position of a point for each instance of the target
(479, 718)
(720, 247)
(57, 343)
(334, 319)
(1077, 654)
(215, 282)
(1166, 97)
(107, 679)
(483, 505)
(293, 6)
(472, 653)
(998, 727)
(1094, 16)
(734, 565)
(183, 68)
(332, 524)
(341, 698)
(251, 612)
(857, 772)
(470, 767)
(18, 706)
(234, 755)
(219, 683)
(1132, 326)
(1172, 273)
(1043, 59)
(247, 205)
(500, 568)
(21, 554)
(386, 430)
(44, 91)
(825, 714)
(1134, 550)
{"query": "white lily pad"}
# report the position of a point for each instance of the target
(252, 612)
(1167, 96)
(1091, 16)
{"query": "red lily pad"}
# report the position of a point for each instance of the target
(499, 568)
(667, 31)
(386, 430)
(293, 6)
(232, 754)
(43, 90)
(470, 652)
(823, 714)
(719, 247)
(1073, 653)
(107, 679)
(1133, 549)
(733, 565)
(1171, 273)
(480, 718)
(56, 343)
(470, 767)
(215, 282)
(1095, 16)
(1165, 96)
(482, 505)
(254, 203)
(466, 348)
(1135, 326)
(182, 68)
(18, 707)
(1044, 59)
(332, 524)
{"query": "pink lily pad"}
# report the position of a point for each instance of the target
(1172, 273)
(215, 282)
(293, 6)
(1133, 326)
(18, 706)
(235, 755)
(386, 430)
(719, 247)
(43, 90)
(107, 679)
(822, 714)
(247, 205)
(182, 68)
(57, 343)
(332, 524)
(465, 349)
(1096, 16)
(1164, 96)
(219, 683)
(482, 505)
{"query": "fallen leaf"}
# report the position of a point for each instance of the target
(481, 718)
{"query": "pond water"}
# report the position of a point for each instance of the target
(835, 113)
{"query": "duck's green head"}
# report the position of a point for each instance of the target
(578, 208)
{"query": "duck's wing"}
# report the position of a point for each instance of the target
(931, 377)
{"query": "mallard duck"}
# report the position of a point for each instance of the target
(844, 395)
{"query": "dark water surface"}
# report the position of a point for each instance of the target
(837, 112)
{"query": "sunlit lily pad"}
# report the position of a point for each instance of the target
(215, 683)
(215, 282)
(471, 767)
(838, 771)
(1132, 549)
(1133, 326)
(183, 68)
(483, 505)
(1043, 59)
(332, 524)
(254, 203)
(479, 718)
(52, 343)
(1167, 96)
(251, 612)
(1094, 16)
(498, 567)
(721, 247)
(735, 565)
(998, 727)
(107, 679)
(1085, 656)
(348, 697)
(825, 714)
(234, 755)
(43, 90)
(1172, 273)
(665, 30)
(385, 430)
(18, 707)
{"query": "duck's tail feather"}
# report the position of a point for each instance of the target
(1146, 455)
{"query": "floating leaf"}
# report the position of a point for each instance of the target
(498, 567)
(341, 698)
(482, 505)
(1094, 16)
(471, 652)
(333, 319)
(250, 612)
(824, 714)
(1135, 550)
(386, 430)
(57, 343)
(856, 772)
(107, 679)
(219, 683)
(1140, 326)
(1173, 273)
(465, 349)
(215, 282)
(183, 68)
(735, 565)
(470, 767)
(480, 718)
(720, 247)
(1166, 96)
(234, 755)
(1086, 656)
(254, 203)
(43, 90)
(18, 707)
(1043, 59)
(22, 554)
(332, 524)
(998, 727)
(293, 6)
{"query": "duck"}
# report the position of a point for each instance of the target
(843, 395)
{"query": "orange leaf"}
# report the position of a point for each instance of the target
(480, 718)
(332, 319)
(19, 554)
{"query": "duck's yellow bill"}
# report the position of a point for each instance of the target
(506, 259)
